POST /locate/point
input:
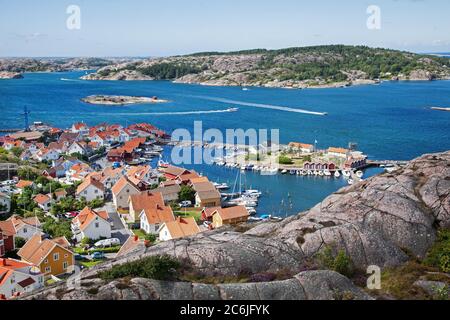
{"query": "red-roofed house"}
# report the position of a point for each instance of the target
(43, 201)
(17, 278)
(91, 224)
(229, 216)
(122, 191)
(80, 127)
(91, 189)
(7, 237)
(179, 228)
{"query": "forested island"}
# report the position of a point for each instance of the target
(303, 67)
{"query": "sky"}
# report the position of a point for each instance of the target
(169, 27)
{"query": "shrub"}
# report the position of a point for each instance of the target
(150, 237)
(340, 262)
(439, 254)
(284, 160)
(155, 267)
(19, 242)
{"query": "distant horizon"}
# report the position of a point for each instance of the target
(161, 28)
(210, 51)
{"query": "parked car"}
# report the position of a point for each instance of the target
(207, 223)
(98, 255)
(79, 257)
(107, 243)
(72, 214)
(185, 204)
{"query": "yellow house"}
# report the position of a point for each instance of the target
(229, 216)
(53, 257)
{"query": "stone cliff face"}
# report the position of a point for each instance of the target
(382, 221)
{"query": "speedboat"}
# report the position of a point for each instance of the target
(337, 174)
(284, 171)
(255, 193)
(359, 174)
(232, 109)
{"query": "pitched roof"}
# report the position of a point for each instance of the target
(131, 244)
(18, 221)
(199, 180)
(61, 193)
(146, 199)
(117, 188)
(204, 186)
(182, 227)
(300, 145)
(42, 198)
(23, 184)
(207, 195)
(8, 266)
(337, 150)
(168, 190)
(90, 182)
(232, 212)
(137, 174)
(87, 215)
(157, 213)
(175, 171)
(37, 249)
(210, 211)
(7, 228)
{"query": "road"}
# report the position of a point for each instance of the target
(119, 231)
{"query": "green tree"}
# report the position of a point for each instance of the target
(186, 193)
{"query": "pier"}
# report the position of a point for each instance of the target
(10, 130)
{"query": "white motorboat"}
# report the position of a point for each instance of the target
(359, 174)
(327, 173)
(284, 171)
(337, 174)
(310, 172)
(350, 181)
(316, 172)
(321, 173)
(253, 193)
(346, 173)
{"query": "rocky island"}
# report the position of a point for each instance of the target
(306, 67)
(10, 75)
(396, 221)
(120, 100)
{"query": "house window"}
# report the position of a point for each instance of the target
(66, 255)
(48, 269)
(65, 265)
(97, 225)
(96, 191)
(25, 230)
(56, 256)
(46, 261)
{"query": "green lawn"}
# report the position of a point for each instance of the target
(140, 233)
(90, 264)
(197, 215)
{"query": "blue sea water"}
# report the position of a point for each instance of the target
(391, 121)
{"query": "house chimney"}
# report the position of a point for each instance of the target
(3, 262)
(136, 238)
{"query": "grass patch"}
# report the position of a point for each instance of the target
(90, 264)
(197, 215)
(439, 254)
(155, 267)
(140, 233)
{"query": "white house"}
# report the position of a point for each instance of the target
(80, 127)
(47, 155)
(153, 216)
(43, 201)
(179, 228)
(18, 278)
(26, 228)
(338, 152)
(142, 176)
(5, 202)
(91, 189)
(122, 191)
(91, 224)
(76, 147)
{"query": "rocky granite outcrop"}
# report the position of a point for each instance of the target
(10, 75)
(382, 221)
(308, 285)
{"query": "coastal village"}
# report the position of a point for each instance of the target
(87, 194)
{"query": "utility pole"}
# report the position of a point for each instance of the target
(25, 114)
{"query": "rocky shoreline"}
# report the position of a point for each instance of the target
(10, 75)
(388, 221)
(120, 100)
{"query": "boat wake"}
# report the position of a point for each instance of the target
(172, 113)
(65, 79)
(263, 106)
